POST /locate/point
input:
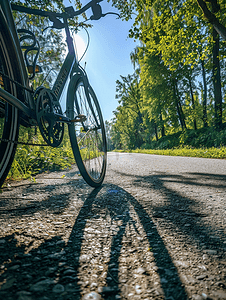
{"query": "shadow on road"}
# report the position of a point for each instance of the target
(35, 198)
(170, 282)
(187, 213)
(135, 262)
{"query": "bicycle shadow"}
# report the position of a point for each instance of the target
(123, 218)
(117, 204)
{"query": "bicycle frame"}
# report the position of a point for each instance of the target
(28, 110)
(69, 67)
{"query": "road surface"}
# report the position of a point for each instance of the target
(154, 230)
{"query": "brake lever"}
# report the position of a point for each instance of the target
(96, 9)
(111, 13)
(97, 12)
(56, 23)
(100, 15)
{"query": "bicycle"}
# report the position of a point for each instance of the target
(19, 104)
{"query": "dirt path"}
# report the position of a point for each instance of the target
(154, 230)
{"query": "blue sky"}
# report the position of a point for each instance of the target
(108, 56)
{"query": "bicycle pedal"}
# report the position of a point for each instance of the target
(79, 118)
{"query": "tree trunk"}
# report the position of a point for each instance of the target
(162, 125)
(182, 114)
(156, 131)
(193, 103)
(204, 104)
(217, 81)
(212, 18)
(178, 106)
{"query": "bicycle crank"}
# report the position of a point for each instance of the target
(47, 107)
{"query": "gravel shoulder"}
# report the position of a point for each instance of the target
(154, 230)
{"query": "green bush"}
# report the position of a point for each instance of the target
(201, 138)
(204, 142)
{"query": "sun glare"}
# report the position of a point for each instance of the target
(79, 44)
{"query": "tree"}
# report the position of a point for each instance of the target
(179, 32)
(211, 17)
(108, 129)
(129, 125)
(204, 95)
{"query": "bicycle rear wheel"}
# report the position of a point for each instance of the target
(87, 136)
(9, 116)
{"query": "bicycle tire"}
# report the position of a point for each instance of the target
(88, 139)
(9, 115)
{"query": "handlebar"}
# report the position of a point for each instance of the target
(69, 12)
(96, 9)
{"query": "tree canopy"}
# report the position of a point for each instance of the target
(181, 60)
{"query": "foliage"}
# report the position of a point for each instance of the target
(130, 117)
(108, 129)
(201, 138)
(219, 153)
(212, 18)
(31, 160)
(181, 73)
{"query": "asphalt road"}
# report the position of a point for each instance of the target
(154, 230)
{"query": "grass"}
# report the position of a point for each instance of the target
(219, 153)
(32, 160)
(204, 142)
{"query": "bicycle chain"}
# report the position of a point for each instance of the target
(21, 143)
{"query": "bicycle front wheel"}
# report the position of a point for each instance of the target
(87, 134)
(9, 117)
